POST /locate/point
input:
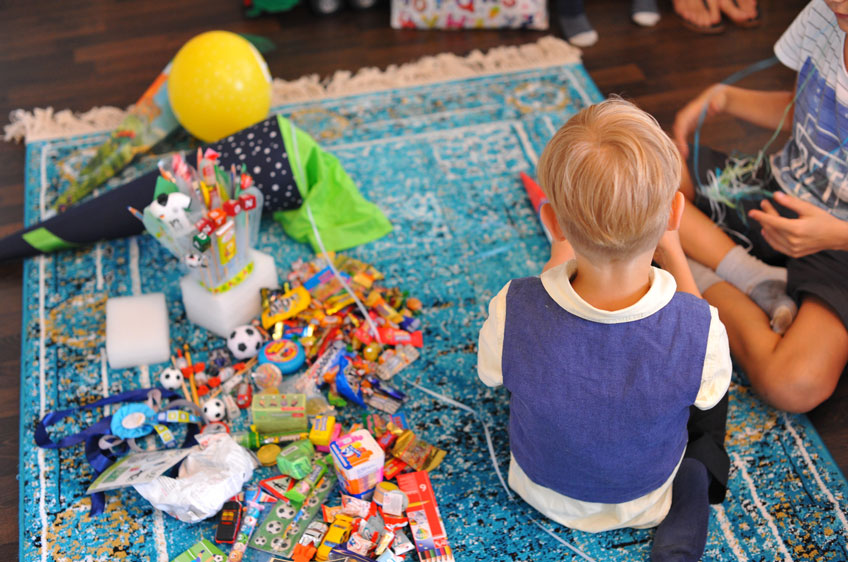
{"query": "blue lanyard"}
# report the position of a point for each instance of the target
(99, 459)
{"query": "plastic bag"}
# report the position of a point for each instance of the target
(208, 477)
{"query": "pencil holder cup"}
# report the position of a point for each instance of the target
(209, 219)
(220, 312)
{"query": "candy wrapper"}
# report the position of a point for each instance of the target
(416, 452)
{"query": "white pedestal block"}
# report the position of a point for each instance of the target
(137, 331)
(222, 312)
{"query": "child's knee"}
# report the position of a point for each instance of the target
(799, 386)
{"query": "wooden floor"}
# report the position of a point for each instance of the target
(79, 54)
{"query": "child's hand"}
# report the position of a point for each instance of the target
(669, 251)
(669, 255)
(686, 120)
(813, 231)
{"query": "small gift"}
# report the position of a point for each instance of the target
(469, 14)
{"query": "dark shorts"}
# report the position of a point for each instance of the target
(824, 274)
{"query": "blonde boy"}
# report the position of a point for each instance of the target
(602, 356)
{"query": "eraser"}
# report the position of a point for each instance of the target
(137, 331)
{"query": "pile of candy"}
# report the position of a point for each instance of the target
(355, 348)
(352, 334)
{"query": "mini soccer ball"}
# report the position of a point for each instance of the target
(195, 260)
(171, 378)
(274, 527)
(244, 342)
(285, 511)
(260, 540)
(214, 410)
(279, 543)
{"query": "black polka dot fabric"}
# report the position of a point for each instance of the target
(262, 150)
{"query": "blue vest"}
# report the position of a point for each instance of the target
(598, 412)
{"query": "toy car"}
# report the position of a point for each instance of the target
(314, 532)
(338, 534)
(305, 548)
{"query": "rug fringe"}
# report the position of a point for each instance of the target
(44, 123)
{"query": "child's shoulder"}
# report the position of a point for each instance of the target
(689, 307)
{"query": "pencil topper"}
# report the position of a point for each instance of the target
(171, 209)
(214, 410)
(171, 378)
(195, 260)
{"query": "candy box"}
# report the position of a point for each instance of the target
(279, 413)
(425, 521)
(322, 430)
(295, 460)
(357, 456)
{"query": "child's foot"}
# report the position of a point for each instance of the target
(765, 284)
(772, 298)
(645, 12)
(744, 13)
(579, 31)
(702, 16)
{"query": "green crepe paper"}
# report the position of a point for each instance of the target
(343, 216)
(45, 241)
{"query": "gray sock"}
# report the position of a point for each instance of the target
(578, 30)
(645, 12)
(704, 276)
(765, 284)
(772, 298)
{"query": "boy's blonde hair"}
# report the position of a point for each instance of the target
(610, 174)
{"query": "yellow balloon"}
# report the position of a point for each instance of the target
(218, 84)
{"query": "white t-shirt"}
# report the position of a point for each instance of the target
(813, 165)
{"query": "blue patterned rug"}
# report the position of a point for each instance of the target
(442, 161)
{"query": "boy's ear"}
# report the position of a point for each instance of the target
(678, 202)
(550, 221)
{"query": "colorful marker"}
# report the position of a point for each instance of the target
(537, 199)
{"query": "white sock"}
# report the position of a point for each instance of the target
(704, 276)
(744, 271)
(765, 284)
(645, 12)
(578, 30)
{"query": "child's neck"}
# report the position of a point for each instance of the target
(612, 285)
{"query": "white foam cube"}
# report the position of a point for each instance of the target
(137, 330)
(222, 312)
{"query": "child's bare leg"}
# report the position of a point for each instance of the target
(794, 372)
(708, 244)
(702, 239)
